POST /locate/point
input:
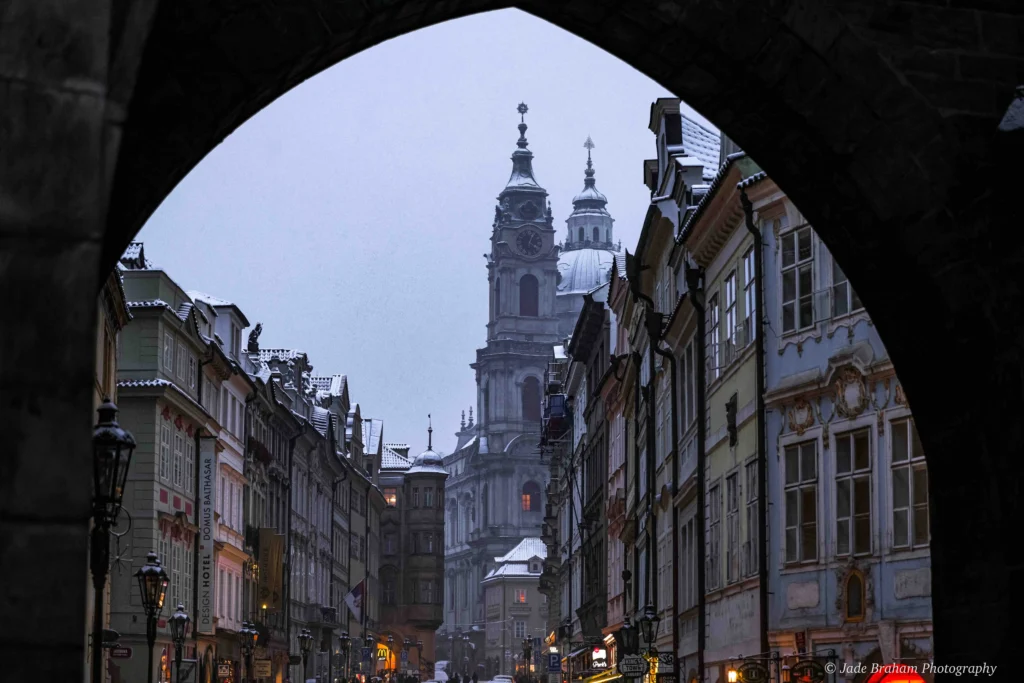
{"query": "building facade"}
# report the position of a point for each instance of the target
(849, 559)
(516, 611)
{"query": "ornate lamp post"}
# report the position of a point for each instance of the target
(306, 645)
(629, 637)
(153, 587)
(343, 640)
(179, 629)
(649, 627)
(247, 638)
(527, 654)
(419, 656)
(112, 449)
(391, 651)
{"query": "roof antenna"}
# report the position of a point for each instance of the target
(430, 434)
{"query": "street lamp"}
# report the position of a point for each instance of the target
(629, 637)
(732, 675)
(649, 626)
(419, 656)
(391, 651)
(112, 449)
(179, 629)
(306, 644)
(247, 637)
(153, 586)
(786, 674)
(343, 640)
(527, 652)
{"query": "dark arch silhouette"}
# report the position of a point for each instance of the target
(531, 399)
(896, 158)
(529, 294)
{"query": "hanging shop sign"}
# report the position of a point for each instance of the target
(634, 666)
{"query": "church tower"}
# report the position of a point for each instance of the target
(522, 275)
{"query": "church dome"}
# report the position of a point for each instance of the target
(429, 461)
(581, 270)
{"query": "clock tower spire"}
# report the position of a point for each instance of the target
(522, 275)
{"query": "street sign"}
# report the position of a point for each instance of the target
(666, 663)
(633, 666)
(121, 652)
(366, 654)
(405, 656)
(223, 671)
(261, 668)
(554, 662)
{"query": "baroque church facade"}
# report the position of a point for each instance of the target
(497, 483)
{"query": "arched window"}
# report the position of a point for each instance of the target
(581, 234)
(597, 235)
(497, 296)
(855, 596)
(528, 291)
(608, 234)
(531, 497)
(531, 400)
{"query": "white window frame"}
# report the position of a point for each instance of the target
(731, 339)
(749, 294)
(853, 475)
(182, 360)
(810, 437)
(798, 264)
(714, 568)
(165, 450)
(169, 347)
(714, 359)
(914, 463)
(732, 527)
(177, 463)
(190, 465)
(842, 288)
(192, 373)
(752, 549)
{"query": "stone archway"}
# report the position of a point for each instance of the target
(879, 119)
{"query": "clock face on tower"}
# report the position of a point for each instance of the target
(529, 242)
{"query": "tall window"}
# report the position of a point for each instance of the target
(428, 497)
(531, 497)
(802, 502)
(389, 591)
(689, 385)
(844, 299)
(427, 592)
(714, 339)
(520, 629)
(853, 493)
(389, 544)
(169, 353)
(854, 596)
(429, 543)
(715, 536)
(182, 364)
(909, 487)
(391, 497)
(732, 526)
(179, 455)
(165, 451)
(528, 296)
(187, 571)
(749, 295)
(190, 465)
(531, 399)
(192, 372)
(415, 497)
(753, 536)
(519, 596)
(581, 235)
(175, 591)
(797, 288)
(497, 295)
(730, 316)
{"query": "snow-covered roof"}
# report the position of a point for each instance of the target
(150, 303)
(392, 460)
(372, 430)
(559, 350)
(333, 385)
(583, 269)
(702, 143)
(320, 418)
(283, 354)
(747, 182)
(527, 548)
(207, 298)
(511, 571)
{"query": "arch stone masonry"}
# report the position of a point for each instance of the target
(880, 119)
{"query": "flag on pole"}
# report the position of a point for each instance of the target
(354, 600)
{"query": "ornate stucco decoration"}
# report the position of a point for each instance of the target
(901, 398)
(825, 421)
(881, 406)
(851, 394)
(843, 573)
(801, 417)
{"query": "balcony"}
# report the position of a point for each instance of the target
(318, 615)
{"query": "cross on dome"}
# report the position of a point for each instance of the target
(522, 109)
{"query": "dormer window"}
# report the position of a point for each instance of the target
(236, 341)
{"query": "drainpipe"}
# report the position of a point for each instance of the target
(675, 489)
(636, 456)
(292, 440)
(695, 287)
(762, 428)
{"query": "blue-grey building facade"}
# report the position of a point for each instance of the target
(848, 557)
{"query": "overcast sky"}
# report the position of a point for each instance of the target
(351, 216)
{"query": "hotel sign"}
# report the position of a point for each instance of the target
(207, 563)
